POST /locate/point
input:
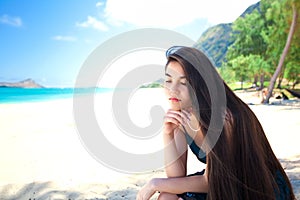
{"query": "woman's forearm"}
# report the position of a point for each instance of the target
(175, 159)
(180, 185)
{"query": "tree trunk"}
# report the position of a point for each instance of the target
(242, 86)
(262, 80)
(281, 75)
(294, 84)
(279, 82)
(283, 55)
(254, 84)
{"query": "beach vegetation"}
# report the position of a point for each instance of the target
(263, 47)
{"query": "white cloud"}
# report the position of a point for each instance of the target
(92, 22)
(174, 13)
(64, 38)
(99, 4)
(12, 21)
(88, 41)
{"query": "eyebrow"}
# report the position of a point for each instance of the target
(181, 77)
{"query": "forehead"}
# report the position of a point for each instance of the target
(174, 68)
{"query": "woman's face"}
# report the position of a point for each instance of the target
(176, 87)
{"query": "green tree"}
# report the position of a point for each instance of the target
(275, 33)
(240, 67)
(250, 42)
(292, 73)
(226, 72)
(295, 11)
(258, 68)
(247, 36)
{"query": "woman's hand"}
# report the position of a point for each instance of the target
(173, 119)
(147, 191)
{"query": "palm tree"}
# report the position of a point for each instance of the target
(284, 52)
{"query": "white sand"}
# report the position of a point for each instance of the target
(42, 157)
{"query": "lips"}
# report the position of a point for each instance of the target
(174, 99)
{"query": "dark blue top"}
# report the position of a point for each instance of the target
(200, 154)
(284, 191)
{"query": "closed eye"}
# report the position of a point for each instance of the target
(168, 81)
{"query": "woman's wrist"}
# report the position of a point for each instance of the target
(168, 138)
(168, 135)
(154, 184)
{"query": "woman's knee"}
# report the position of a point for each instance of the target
(167, 196)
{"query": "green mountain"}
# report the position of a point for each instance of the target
(216, 40)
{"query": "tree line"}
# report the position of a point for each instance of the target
(266, 46)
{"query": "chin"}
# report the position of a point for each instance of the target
(175, 107)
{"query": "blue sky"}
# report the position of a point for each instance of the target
(49, 40)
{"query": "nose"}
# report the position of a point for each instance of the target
(173, 89)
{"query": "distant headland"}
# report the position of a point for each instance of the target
(28, 83)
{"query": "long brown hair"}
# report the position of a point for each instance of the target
(242, 164)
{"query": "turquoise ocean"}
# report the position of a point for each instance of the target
(23, 95)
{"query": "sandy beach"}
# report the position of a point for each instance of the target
(43, 157)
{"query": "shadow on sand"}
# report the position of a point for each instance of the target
(292, 168)
(36, 191)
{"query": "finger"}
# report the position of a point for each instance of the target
(174, 112)
(176, 117)
(182, 113)
(172, 120)
(183, 116)
(187, 114)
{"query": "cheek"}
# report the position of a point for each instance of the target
(185, 92)
(166, 91)
(186, 96)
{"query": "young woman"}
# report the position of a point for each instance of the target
(221, 130)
